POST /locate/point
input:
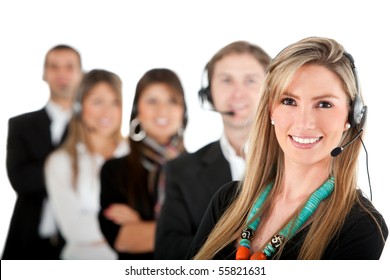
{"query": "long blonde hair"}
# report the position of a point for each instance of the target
(77, 129)
(265, 157)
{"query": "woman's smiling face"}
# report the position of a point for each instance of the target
(311, 116)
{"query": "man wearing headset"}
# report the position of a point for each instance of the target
(235, 74)
(31, 137)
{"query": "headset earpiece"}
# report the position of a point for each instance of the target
(358, 113)
(205, 91)
(77, 104)
(205, 95)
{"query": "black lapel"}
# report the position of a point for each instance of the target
(42, 125)
(216, 169)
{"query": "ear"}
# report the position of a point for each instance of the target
(271, 117)
(44, 75)
(347, 126)
(270, 110)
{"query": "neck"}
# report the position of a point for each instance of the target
(104, 146)
(65, 104)
(162, 141)
(237, 139)
(299, 181)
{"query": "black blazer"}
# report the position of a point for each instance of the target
(28, 145)
(191, 181)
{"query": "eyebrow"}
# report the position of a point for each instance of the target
(320, 97)
(244, 73)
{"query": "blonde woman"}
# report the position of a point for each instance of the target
(297, 201)
(72, 171)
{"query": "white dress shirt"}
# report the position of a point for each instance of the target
(237, 163)
(59, 119)
(76, 207)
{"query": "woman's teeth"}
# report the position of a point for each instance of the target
(305, 140)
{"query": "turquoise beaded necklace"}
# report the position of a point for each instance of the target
(288, 231)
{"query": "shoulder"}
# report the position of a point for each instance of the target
(57, 168)
(194, 158)
(364, 211)
(115, 163)
(122, 149)
(58, 159)
(26, 117)
(362, 234)
(225, 195)
(364, 219)
(213, 147)
(58, 156)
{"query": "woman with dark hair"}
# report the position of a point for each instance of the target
(133, 186)
(72, 171)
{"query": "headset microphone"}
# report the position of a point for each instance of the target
(228, 113)
(336, 151)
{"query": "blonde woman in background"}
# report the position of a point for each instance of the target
(72, 171)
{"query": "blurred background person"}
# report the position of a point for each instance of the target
(72, 171)
(31, 137)
(235, 75)
(133, 186)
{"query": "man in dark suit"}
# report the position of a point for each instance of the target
(31, 137)
(235, 74)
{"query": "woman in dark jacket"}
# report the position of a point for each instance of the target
(133, 186)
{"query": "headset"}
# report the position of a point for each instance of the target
(358, 113)
(357, 118)
(205, 91)
(77, 104)
(205, 95)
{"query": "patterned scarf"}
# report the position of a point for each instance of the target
(154, 157)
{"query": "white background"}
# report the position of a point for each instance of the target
(131, 37)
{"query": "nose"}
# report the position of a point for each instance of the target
(238, 90)
(162, 109)
(305, 118)
(108, 109)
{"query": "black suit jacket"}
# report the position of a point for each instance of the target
(191, 181)
(28, 145)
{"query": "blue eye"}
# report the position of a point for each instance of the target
(289, 102)
(251, 81)
(324, 104)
